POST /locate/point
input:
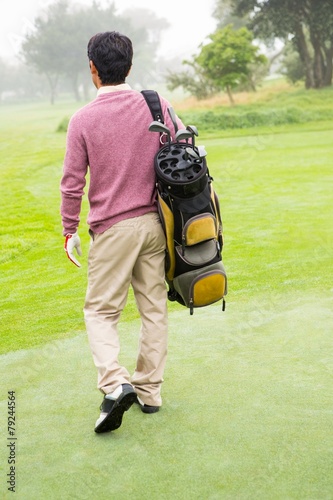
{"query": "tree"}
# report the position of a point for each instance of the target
(17, 81)
(227, 58)
(78, 27)
(229, 61)
(225, 14)
(193, 80)
(57, 47)
(319, 18)
(292, 66)
(44, 49)
(295, 19)
(145, 30)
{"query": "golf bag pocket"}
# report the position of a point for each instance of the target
(200, 288)
(199, 228)
(197, 255)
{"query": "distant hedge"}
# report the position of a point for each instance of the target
(223, 120)
(219, 119)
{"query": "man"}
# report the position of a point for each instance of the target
(110, 136)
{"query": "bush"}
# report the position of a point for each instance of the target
(222, 120)
(63, 125)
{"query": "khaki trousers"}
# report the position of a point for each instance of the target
(131, 252)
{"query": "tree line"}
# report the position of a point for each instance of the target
(229, 59)
(305, 26)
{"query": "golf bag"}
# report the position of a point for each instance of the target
(190, 214)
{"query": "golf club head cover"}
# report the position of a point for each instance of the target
(73, 241)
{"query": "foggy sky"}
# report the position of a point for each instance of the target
(190, 22)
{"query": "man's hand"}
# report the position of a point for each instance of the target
(73, 241)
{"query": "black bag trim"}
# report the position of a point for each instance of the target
(153, 100)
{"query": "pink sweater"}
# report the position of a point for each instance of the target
(111, 136)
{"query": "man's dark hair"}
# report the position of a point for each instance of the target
(112, 54)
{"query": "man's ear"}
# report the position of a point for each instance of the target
(94, 75)
(93, 69)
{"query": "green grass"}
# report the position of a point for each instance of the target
(247, 410)
(246, 415)
(268, 108)
(35, 279)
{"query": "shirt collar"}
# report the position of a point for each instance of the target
(105, 89)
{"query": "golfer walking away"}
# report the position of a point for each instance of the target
(109, 137)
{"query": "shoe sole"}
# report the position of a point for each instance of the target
(114, 419)
(150, 409)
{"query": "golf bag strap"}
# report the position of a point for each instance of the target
(153, 100)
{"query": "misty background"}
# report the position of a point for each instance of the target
(199, 50)
(163, 35)
(186, 23)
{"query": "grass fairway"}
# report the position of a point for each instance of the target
(247, 410)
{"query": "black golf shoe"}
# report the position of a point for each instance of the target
(147, 408)
(113, 408)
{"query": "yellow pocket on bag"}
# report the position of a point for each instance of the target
(208, 288)
(199, 289)
(200, 228)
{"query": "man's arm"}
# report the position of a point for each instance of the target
(72, 188)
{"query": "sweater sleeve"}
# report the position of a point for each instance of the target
(74, 177)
